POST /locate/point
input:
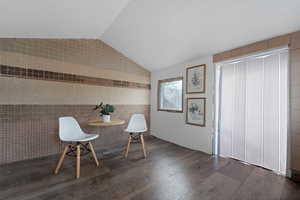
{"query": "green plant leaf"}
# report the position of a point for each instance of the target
(105, 109)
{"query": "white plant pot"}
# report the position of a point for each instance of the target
(106, 118)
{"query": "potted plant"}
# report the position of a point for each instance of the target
(105, 110)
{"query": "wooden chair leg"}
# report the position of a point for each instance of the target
(143, 145)
(128, 146)
(61, 159)
(94, 154)
(78, 161)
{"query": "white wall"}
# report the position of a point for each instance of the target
(171, 126)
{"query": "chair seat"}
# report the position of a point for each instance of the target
(135, 131)
(83, 138)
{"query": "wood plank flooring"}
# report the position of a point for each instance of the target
(170, 172)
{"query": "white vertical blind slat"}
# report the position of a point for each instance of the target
(227, 104)
(238, 143)
(255, 70)
(271, 112)
(283, 59)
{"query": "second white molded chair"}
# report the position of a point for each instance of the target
(137, 125)
(70, 132)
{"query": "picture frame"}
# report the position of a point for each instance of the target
(196, 79)
(196, 111)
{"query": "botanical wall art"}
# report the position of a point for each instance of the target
(195, 79)
(195, 111)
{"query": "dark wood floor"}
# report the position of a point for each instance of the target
(169, 173)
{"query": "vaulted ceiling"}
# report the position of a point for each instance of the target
(153, 33)
(58, 18)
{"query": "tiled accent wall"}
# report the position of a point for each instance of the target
(28, 73)
(293, 41)
(31, 131)
(44, 79)
(77, 51)
(282, 40)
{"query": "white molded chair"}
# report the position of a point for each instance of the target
(70, 132)
(137, 125)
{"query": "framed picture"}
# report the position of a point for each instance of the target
(195, 111)
(195, 79)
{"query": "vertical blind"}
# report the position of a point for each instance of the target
(253, 110)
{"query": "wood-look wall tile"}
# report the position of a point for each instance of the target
(237, 52)
(31, 131)
(295, 158)
(255, 47)
(296, 139)
(221, 56)
(18, 72)
(295, 40)
(87, 52)
(282, 40)
(294, 126)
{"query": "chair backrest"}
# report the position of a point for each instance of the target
(137, 124)
(69, 128)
